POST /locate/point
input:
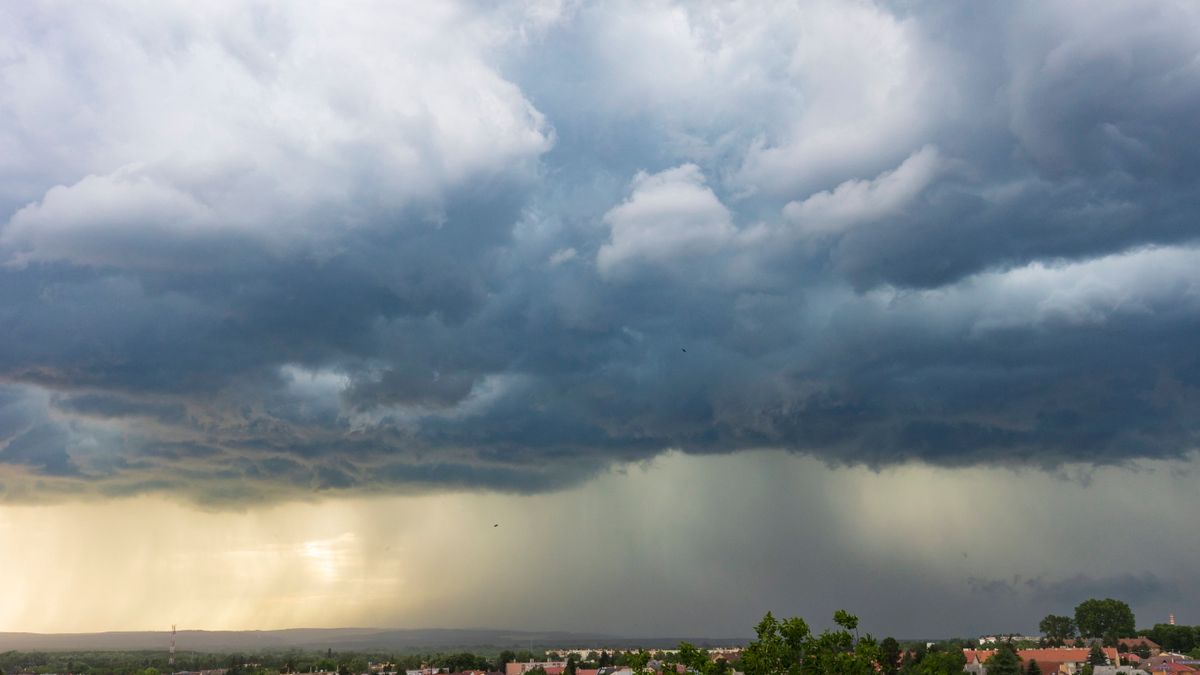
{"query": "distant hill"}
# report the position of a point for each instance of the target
(349, 639)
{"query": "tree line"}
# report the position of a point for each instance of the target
(1111, 620)
(781, 647)
(1108, 620)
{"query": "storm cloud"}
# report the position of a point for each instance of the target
(254, 251)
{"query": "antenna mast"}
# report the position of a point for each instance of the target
(171, 661)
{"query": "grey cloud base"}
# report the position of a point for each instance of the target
(478, 261)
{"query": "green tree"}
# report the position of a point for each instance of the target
(1108, 617)
(637, 661)
(789, 647)
(1004, 662)
(1096, 656)
(889, 656)
(943, 663)
(1033, 668)
(778, 648)
(846, 620)
(1057, 629)
(570, 668)
(695, 659)
(1174, 638)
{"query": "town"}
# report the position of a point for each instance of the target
(1100, 638)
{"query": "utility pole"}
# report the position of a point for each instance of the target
(171, 660)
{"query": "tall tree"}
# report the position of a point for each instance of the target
(1108, 617)
(1096, 656)
(889, 656)
(1033, 668)
(790, 648)
(1057, 629)
(1004, 662)
(1174, 638)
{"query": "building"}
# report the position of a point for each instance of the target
(1118, 670)
(1052, 661)
(551, 667)
(1130, 644)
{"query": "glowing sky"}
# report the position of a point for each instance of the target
(680, 546)
(721, 306)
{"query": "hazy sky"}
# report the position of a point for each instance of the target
(719, 307)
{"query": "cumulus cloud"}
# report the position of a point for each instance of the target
(248, 251)
(864, 79)
(670, 215)
(280, 126)
(858, 201)
(101, 220)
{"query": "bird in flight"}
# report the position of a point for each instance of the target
(684, 349)
(496, 525)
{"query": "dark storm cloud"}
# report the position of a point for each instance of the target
(1066, 593)
(916, 234)
(101, 405)
(1146, 587)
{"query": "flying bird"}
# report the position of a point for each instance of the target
(496, 525)
(684, 349)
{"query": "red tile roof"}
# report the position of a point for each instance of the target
(1048, 655)
(1140, 640)
(1047, 667)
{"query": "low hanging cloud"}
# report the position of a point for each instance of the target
(1068, 592)
(250, 252)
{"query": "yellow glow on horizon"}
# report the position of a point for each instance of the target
(104, 565)
(677, 527)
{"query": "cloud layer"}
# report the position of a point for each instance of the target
(248, 252)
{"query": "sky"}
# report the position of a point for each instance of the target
(719, 307)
